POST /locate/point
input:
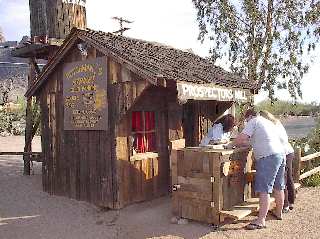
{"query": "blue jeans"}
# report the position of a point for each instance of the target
(270, 173)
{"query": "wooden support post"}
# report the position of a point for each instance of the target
(296, 165)
(29, 119)
(233, 109)
(28, 137)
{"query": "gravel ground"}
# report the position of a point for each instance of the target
(27, 212)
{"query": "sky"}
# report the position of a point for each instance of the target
(171, 22)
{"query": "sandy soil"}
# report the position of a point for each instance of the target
(27, 212)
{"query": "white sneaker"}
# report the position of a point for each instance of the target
(285, 209)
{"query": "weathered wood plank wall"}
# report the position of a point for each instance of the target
(96, 166)
(147, 178)
(78, 164)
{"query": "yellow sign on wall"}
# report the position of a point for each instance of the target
(85, 95)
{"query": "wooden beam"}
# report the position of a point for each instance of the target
(35, 65)
(40, 51)
(29, 156)
(20, 153)
(36, 126)
(309, 173)
(310, 157)
(68, 43)
(296, 165)
(28, 138)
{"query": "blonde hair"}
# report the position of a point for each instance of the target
(269, 116)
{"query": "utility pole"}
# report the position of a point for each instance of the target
(121, 21)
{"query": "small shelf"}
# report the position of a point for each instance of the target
(142, 156)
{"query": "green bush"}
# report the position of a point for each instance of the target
(314, 140)
(289, 108)
(312, 181)
(12, 121)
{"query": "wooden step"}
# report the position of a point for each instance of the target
(240, 211)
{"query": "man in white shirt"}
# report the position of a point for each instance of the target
(262, 135)
(220, 132)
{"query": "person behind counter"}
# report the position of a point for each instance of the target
(220, 131)
(270, 164)
(289, 192)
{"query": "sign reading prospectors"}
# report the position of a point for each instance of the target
(211, 92)
(85, 95)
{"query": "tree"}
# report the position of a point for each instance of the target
(266, 41)
(5, 88)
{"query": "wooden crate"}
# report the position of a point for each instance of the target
(209, 182)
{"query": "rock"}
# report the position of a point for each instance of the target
(183, 221)
(174, 220)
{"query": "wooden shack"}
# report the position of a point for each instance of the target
(111, 105)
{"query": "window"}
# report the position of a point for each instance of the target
(143, 131)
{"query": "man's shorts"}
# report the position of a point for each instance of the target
(270, 173)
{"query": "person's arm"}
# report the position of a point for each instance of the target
(241, 140)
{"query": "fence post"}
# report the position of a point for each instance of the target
(296, 165)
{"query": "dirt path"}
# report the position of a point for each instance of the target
(28, 213)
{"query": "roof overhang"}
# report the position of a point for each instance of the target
(37, 50)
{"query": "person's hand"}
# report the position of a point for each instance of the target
(221, 141)
(229, 146)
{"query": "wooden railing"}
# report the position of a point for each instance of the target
(31, 156)
(306, 162)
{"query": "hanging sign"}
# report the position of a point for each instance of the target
(85, 95)
(188, 91)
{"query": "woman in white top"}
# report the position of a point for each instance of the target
(220, 131)
(262, 135)
(289, 152)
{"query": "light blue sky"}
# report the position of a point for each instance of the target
(167, 21)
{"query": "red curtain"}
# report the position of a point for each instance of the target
(149, 117)
(137, 123)
(143, 141)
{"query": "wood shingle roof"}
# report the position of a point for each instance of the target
(153, 59)
(167, 62)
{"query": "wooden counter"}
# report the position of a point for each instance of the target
(210, 181)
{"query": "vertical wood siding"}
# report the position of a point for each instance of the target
(78, 164)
